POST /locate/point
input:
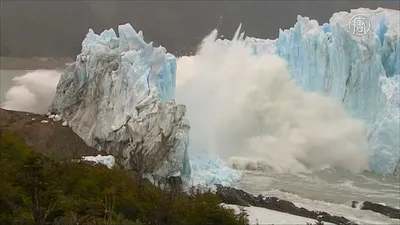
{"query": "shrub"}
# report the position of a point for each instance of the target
(37, 190)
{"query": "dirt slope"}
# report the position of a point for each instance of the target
(51, 139)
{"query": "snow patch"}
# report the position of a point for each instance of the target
(108, 160)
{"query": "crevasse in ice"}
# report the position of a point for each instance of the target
(118, 97)
(361, 71)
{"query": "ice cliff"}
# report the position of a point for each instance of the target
(118, 97)
(360, 70)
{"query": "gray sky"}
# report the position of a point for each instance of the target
(56, 28)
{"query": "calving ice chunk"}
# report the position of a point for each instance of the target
(118, 97)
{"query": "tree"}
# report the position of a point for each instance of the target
(39, 180)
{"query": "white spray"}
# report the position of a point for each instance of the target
(246, 109)
(32, 92)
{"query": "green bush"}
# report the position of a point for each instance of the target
(37, 190)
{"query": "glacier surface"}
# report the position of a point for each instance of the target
(361, 71)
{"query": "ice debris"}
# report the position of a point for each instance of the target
(57, 118)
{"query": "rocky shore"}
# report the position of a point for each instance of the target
(239, 197)
(242, 198)
(378, 208)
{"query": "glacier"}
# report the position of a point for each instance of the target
(118, 96)
(361, 71)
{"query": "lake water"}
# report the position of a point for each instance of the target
(329, 190)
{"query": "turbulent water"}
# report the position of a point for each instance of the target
(328, 190)
(249, 112)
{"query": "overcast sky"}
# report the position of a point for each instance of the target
(56, 28)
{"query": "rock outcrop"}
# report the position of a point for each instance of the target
(242, 198)
(378, 208)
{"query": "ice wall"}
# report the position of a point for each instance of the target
(361, 71)
(118, 97)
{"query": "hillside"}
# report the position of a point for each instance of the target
(26, 141)
(50, 139)
(41, 185)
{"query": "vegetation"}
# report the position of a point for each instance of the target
(38, 190)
